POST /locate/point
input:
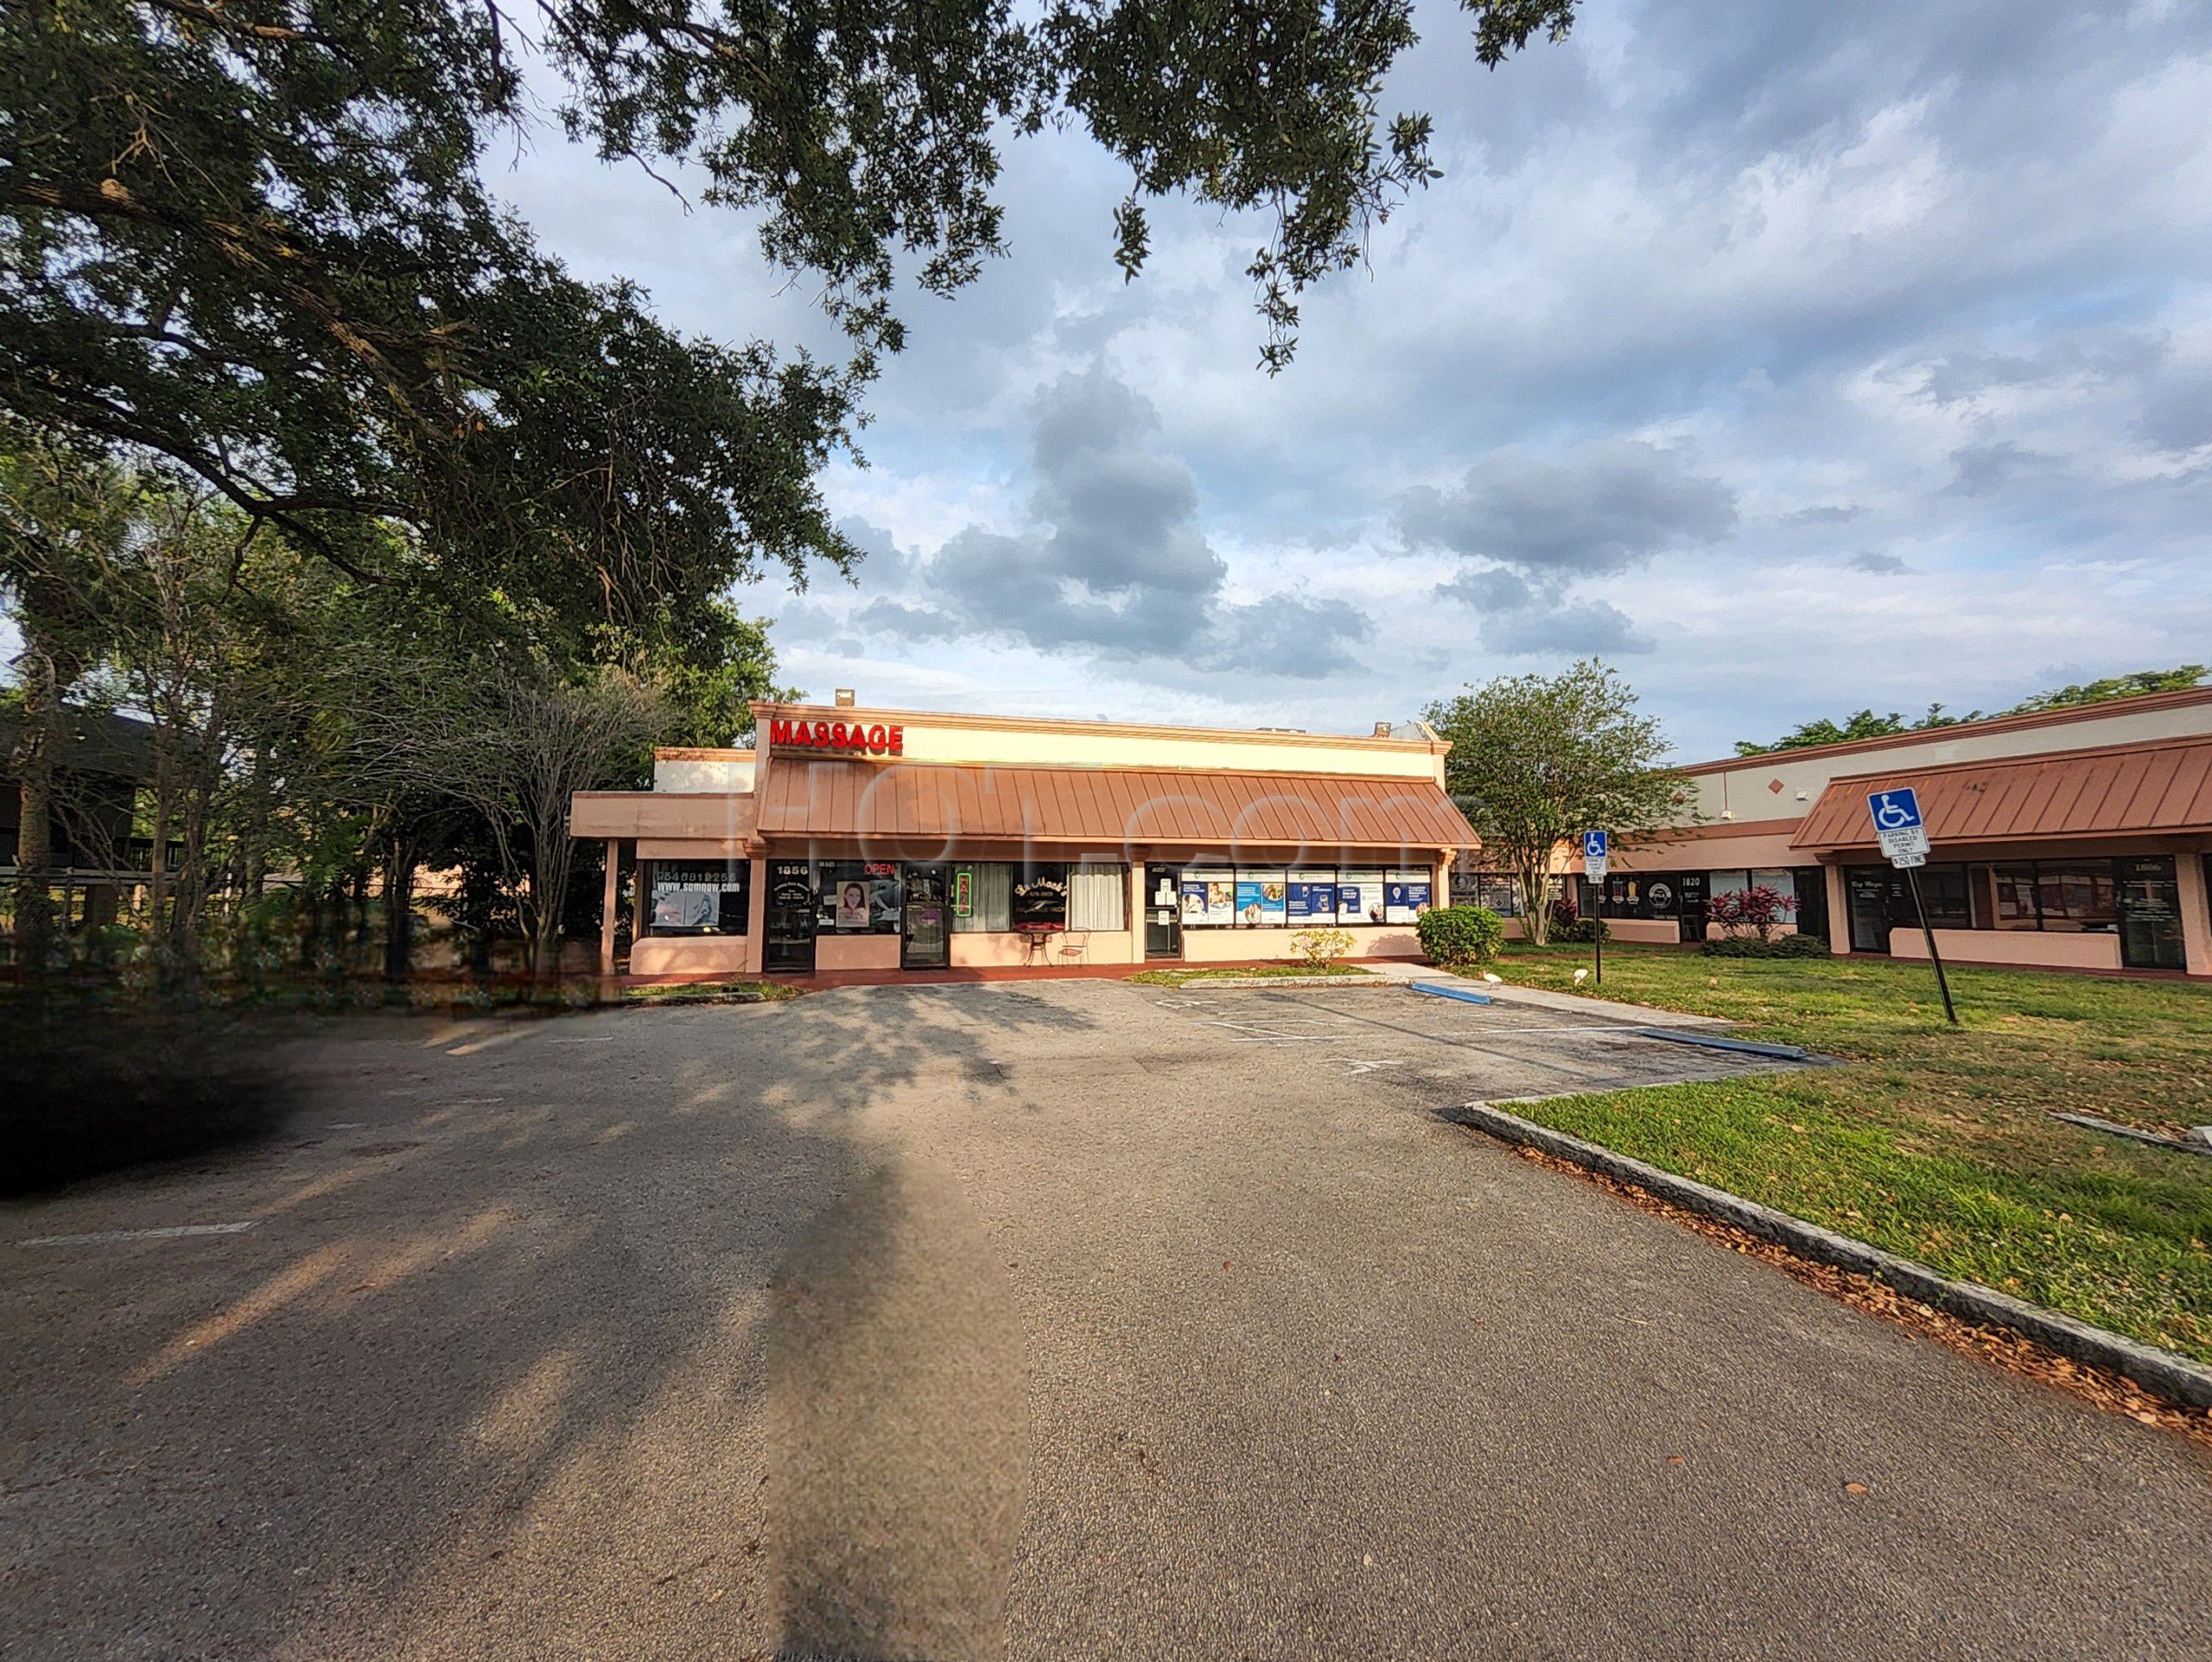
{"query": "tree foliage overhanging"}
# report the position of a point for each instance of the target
(250, 238)
(1868, 724)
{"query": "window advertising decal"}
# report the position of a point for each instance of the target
(1208, 898)
(1311, 898)
(1261, 901)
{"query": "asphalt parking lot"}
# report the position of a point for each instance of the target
(1067, 1320)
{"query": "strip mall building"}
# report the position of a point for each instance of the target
(856, 840)
(2070, 838)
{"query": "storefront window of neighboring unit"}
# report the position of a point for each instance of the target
(2077, 897)
(700, 897)
(2014, 887)
(858, 897)
(1098, 896)
(2149, 914)
(986, 905)
(1944, 891)
(1500, 893)
(1359, 895)
(1041, 896)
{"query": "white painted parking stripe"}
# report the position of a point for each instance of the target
(172, 1232)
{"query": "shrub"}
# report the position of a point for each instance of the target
(1777, 946)
(1757, 910)
(1582, 931)
(1453, 935)
(1321, 947)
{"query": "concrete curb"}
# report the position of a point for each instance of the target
(1277, 983)
(1743, 1047)
(2175, 1377)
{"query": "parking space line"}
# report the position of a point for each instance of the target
(173, 1231)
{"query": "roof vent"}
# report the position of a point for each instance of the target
(1381, 729)
(844, 697)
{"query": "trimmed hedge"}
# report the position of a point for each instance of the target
(1453, 935)
(1581, 932)
(1780, 946)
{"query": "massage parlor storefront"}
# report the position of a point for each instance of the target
(862, 840)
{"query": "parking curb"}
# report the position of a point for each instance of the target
(2161, 1371)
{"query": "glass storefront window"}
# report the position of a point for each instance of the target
(857, 897)
(2149, 914)
(2076, 898)
(983, 897)
(1359, 896)
(2015, 888)
(1309, 901)
(1098, 896)
(1406, 896)
(701, 897)
(1261, 898)
(1041, 896)
(1209, 897)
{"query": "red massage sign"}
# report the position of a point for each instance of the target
(873, 739)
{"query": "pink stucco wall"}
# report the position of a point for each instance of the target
(701, 955)
(997, 951)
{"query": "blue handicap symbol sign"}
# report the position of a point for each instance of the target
(1593, 844)
(1897, 810)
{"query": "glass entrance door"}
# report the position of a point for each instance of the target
(1163, 919)
(789, 941)
(1868, 887)
(924, 940)
(2150, 914)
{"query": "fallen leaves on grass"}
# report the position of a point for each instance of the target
(2015, 1353)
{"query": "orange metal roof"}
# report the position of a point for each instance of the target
(2161, 784)
(1104, 807)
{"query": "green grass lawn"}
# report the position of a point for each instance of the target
(1250, 971)
(1937, 1143)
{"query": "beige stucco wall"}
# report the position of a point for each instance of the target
(935, 737)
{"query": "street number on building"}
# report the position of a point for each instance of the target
(1898, 826)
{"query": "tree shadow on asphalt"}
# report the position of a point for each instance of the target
(490, 1373)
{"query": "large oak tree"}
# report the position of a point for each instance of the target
(249, 238)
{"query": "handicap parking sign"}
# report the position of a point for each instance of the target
(1594, 845)
(1898, 826)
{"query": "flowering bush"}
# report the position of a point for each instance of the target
(1570, 926)
(1757, 910)
(1321, 947)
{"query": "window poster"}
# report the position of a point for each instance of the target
(852, 904)
(1260, 901)
(1359, 897)
(684, 908)
(1209, 897)
(1405, 897)
(1311, 898)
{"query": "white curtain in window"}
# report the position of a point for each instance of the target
(1098, 897)
(992, 906)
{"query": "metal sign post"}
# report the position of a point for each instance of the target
(1596, 849)
(1903, 837)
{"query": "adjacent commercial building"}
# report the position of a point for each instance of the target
(852, 839)
(2069, 838)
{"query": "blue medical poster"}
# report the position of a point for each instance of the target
(1259, 902)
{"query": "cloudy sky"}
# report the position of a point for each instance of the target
(1793, 356)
